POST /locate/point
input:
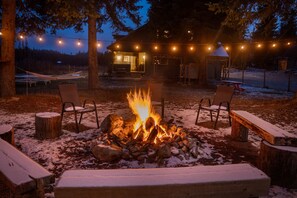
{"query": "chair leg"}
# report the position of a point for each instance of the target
(96, 114)
(196, 122)
(215, 124)
(62, 114)
(80, 118)
(77, 126)
(229, 118)
(211, 115)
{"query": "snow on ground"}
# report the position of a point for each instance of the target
(72, 150)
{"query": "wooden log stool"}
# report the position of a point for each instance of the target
(279, 163)
(47, 125)
(7, 133)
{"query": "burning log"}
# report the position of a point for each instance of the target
(153, 135)
(149, 124)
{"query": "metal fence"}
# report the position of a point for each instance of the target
(279, 80)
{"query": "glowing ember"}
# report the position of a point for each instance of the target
(147, 124)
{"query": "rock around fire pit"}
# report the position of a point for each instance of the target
(119, 141)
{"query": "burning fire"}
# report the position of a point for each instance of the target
(147, 125)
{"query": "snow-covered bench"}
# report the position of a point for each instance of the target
(234, 180)
(242, 121)
(22, 175)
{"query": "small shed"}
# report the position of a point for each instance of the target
(217, 64)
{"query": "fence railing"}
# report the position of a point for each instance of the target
(279, 80)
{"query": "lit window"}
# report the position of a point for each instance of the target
(119, 57)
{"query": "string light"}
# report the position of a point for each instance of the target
(60, 42)
(174, 48)
(0, 33)
(98, 44)
(191, 48)
(40, 39)
(78, 43)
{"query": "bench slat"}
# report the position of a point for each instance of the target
(234, 180)
(269, 132)
(20, 171)
(11, 171)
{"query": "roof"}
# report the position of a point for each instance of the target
(220, 52)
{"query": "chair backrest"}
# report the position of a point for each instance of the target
(223, 93)
(69, 93)
(156, 90)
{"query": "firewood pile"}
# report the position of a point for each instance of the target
(119, 141)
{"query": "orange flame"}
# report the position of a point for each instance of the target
(141, 105)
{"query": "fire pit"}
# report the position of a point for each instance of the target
(145, 138)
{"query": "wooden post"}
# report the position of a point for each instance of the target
(7, 133)
(279, 163)
(239, 132)
(47, 125)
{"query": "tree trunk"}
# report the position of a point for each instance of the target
(7, 67)
(92, 54)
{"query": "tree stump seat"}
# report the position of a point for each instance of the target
(47, 125)
(7, 133)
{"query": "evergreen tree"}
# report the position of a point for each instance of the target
(188, 20)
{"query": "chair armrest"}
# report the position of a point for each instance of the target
(90, 102)
(68, 103)
(227, 104)
(205, 100)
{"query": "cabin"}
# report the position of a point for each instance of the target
(147, 51)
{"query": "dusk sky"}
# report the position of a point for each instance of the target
(70, 37)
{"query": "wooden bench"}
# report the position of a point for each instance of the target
(22, 175)
(242, 121)
(235, 180)
(278, 150)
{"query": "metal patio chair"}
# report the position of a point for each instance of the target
(72, 104)
(221, 102)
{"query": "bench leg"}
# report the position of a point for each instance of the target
(239, 132)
